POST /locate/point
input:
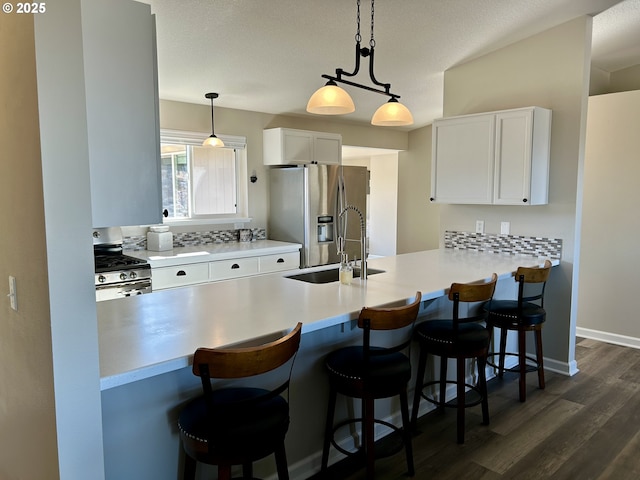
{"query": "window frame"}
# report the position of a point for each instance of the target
(239, 144)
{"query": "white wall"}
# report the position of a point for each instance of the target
(610, 257)
(69, 247)
(549, 70)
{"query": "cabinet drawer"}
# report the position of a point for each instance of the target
(179, 276)
(276, 263)
(225, 269)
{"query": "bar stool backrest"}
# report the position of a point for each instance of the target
(471, 293)
(242, 362)
(532, 275)
(391, 318)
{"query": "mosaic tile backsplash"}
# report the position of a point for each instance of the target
(512, 244)
(191, 239)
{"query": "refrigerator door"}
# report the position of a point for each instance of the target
(305, 203)
(321, 209)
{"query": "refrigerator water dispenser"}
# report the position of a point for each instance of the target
(325, 228)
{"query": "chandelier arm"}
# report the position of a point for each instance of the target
(387, 86)
(359, 85)
(340, 71)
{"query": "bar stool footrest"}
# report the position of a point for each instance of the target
(384, 447)
(515, 369)
(473, 396)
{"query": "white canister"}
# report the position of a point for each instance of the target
(159, 238)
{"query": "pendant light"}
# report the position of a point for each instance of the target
(334, 100)
(212, 141)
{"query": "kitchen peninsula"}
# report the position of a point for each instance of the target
(146, 344)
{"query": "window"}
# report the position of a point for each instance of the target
(203, 183)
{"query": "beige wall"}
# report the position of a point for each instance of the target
(610, 257)
(418, 219)
(549, 70)
(383, 203)
(27, 407)
(197, 118)
(624, 80)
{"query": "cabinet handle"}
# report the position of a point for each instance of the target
(524, 200)
(432, 199)
(181, 273)
(280, 260)
(235, 266)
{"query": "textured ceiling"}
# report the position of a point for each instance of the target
(268, 56)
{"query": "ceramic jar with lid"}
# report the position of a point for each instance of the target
(159, 238)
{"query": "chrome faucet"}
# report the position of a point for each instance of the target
(363, 237)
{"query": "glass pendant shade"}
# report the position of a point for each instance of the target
(392, 114)
(330, 100)
(213, 141)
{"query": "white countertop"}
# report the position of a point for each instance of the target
(147, 335)
(212, 252)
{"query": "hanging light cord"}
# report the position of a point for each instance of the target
(363, 52)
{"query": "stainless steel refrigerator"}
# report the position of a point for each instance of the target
(305, 206)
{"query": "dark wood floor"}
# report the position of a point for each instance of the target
(581, 427)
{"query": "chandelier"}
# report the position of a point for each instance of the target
(334, 100)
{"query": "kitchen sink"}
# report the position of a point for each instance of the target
(328, 276)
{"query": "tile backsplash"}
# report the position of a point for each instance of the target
(512, 244)
(189, 239)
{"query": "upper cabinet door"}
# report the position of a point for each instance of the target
(327, 148)
(522, 157)
(287, 146)
(120, 67)
(492, 158)
(463, 160)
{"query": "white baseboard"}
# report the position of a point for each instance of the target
(607, 337)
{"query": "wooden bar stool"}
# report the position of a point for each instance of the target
(239, 424)
(372, 372)
(527, 314)
(460, 338)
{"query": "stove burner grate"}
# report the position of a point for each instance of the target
(118, 261)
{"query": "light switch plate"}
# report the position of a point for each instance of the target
(13, 299)
(479, 226)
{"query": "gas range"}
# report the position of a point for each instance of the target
(117, 275)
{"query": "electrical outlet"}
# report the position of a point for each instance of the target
(13, 299)
(505, 228)
(479, 226)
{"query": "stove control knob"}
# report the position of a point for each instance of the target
(102, 279)
(123, 276)
(133, 275)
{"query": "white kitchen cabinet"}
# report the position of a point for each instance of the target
(492, 158)
(120, 69)
(205, 272)
(279, 263)
(286, 146)
(239, 267)
(179, 275)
